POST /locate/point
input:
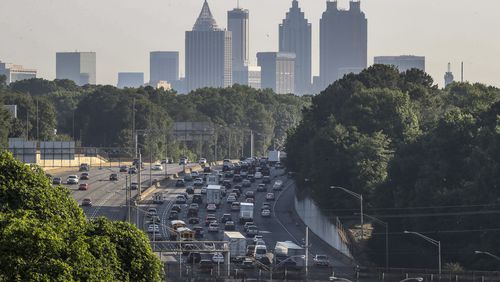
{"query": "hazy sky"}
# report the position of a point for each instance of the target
(122, 32)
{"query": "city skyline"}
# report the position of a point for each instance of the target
(33, 42)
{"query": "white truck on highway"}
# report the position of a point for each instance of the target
(273, 157)
(237, 243)
(213, 179)
(290, 254)
(213, 194)
(246, 212)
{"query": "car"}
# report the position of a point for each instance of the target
(203, 190)
(252, 230)
(57, 180)
(247, 224)
(265, 213)
(157, 167)
(173, 215)
(123, 168)
(134, 186)
(197, 199)
(83, 186)
(278, 165)
(206, 265)
(132, 170)
(153, 228)
(227, 184)
(167, 161)
(183, 161)
(86, 202)
(270, 196)
(321, 260)
(266, 180)
(213, 227)
(278, 186)
(250, 200)
(237, 178)
(257, 238)
(251, 178)
(218, 258)
(265, 206)
(207, 169)
(190, 190)
(229, 226)
(237, 192)
(226, 217)
(152, 212)
(176, 208)
(202, 161)
(258, 175)
(235, 206)
(246, 183)
(198, 231)
(230, 199)
(180, 200)
(180, 183)
(262, 188)
(198, 182)
(210, 218)
(247, 264)
(84, 167)
(194, 220)
(113, 177)
(72, 179)
(249, 194)
(211, 207)
(85, 176)
(188, 178)
(136, 163)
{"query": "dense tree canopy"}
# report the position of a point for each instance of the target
(424, 159)
(44, 235)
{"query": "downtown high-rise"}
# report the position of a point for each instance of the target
(238, 24)
(277, 71)
(295, 37)
(163, 66)
(343, 42)
(208, 53)
(77, 66)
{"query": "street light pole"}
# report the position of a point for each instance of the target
(430, 240)
(488, 254)
(360, 197)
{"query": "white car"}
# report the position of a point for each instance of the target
(211, 208)
(72, 179)
(265, 213)
(230, 199)
(157, 167)
(258, 175)
(213, 227)
(270, 196)
(202, 161)
(152, 212)
(153, 228)
(203, 190)
(218, 258)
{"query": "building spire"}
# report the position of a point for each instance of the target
(205, 21)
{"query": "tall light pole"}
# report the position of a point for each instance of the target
(386, 238)
(488, 254)
(360, 197)
(430, 240)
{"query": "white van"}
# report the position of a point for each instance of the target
(260, 251)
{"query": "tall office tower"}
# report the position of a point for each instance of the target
(402, 63)
(237, 23)
(130, 79)
(15, 73)
(448, 76)
(208, 53)
(295, 37)
(343, 42)
(277, 71)
(77, 66)
(164, 66)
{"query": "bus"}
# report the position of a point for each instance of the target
(176, 224)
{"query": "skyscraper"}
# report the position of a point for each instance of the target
(343, 42)
(237, 23)
(77, 66)
(402, 63)
(277, 71)
(448, 76)
(208, 53)
(163, 65)
(130, 79)
(295, 37)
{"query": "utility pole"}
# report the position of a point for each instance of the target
(251, 143)
(307, 252)
(37, 132)
(134, 134)
(139, 176)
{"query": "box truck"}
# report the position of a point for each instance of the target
(246, 212)
(213, 194)
(237, 243)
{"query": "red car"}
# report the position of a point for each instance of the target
(83, 186)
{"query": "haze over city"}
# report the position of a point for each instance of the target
(122, 33)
